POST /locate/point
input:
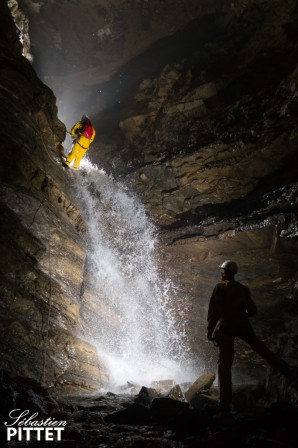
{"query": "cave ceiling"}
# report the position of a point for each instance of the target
(93, 53)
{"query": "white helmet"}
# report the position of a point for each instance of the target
(231, 266)
(84, 118)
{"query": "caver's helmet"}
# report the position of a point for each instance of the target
(84, 118)
(229, 265)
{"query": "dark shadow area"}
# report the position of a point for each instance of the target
(187, 45)
(144, 418)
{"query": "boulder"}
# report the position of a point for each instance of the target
(163, 385)
(145, 396)
(203, 382)
(176, 393)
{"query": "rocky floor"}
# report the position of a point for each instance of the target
(145, 419)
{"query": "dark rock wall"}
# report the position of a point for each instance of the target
(215, 142)
(42, 244)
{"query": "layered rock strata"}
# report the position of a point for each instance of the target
(212, 145)
(42, 243)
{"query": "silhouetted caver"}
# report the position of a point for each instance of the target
(83, 134)
(231, 306)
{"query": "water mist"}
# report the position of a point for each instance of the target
(139, 340)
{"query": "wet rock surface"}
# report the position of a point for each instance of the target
(117, 420)
(42, 235)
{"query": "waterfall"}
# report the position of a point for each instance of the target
(139, 340)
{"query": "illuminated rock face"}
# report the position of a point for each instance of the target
(42, 247)
(210, 144)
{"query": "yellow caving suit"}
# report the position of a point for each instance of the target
(231, 305)
(81, 145)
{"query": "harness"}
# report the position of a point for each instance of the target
(80, 145)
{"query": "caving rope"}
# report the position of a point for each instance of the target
(46, 337)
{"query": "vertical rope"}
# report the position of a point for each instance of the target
(49, 318)
(46, 338)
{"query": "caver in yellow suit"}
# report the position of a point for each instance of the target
(81, 143)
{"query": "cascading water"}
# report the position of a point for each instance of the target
(140, 340)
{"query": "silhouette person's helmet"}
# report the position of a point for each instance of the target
(229, 265)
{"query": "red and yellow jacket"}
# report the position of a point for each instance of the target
(83, 141)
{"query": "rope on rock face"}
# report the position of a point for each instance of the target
(50, 302)
(46, 338)
(33, 219)
(48, 322)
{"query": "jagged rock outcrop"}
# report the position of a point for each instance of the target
(42, 244)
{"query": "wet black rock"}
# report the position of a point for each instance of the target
(166, 423)
(135, 414)
(146, 396)
(164, 409)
